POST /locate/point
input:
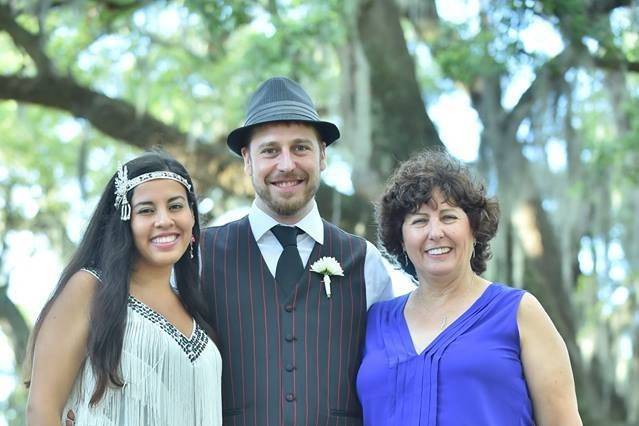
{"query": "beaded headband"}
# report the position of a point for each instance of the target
(123, 185)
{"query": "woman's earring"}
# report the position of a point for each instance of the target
(405, 258)
(192, 242)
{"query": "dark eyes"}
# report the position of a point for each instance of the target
(275, 151)
(150, 210)
(268, 151)
(446, 219)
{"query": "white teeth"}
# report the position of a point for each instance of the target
(164, 239)
(286, 184)
(438, 250)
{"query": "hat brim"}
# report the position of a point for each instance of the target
(238, 138)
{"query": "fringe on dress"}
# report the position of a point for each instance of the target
(170, 379)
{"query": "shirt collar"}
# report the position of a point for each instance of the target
(311, 224)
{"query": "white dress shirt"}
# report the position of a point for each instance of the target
(378, 282)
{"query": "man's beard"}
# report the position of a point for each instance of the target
(287, 207)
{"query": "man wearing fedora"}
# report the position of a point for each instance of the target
(290, 319)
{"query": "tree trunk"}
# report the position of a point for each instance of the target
(14, 325)
(400, 124)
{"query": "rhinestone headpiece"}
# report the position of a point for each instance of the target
(123, 185)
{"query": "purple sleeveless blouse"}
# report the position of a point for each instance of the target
(471, 374)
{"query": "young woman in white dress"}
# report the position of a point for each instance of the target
(117, 344)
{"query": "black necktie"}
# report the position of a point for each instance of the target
(289, 266)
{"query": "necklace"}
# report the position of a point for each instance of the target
(444, 322)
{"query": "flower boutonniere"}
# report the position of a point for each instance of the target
(327, 266)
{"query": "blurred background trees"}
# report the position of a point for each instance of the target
(540, 96)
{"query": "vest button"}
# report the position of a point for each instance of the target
(289, 308)
(290, 397)
(289, 338)
(290, 367)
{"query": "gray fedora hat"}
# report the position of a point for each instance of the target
(280, 99)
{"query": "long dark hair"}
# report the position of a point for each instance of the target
(108, 247)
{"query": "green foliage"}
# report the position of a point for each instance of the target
(10, 57)
(222, 18)
(607, 149)
(465, 60)
(40, 167)
(628, 157)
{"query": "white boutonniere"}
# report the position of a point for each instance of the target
(327, 266)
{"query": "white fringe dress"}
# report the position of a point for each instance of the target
(170, 379)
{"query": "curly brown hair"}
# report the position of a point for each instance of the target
(412, 185)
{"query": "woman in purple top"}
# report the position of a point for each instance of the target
(458, 350)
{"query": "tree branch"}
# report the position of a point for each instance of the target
(554, 68)
(615, 64)
(158, 40)
(606, 6)
(111, 116)
(12, 322)
(14, 325)
(29, 42)
(120, 120)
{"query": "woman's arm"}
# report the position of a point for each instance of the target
(546, 366)
(59, 351)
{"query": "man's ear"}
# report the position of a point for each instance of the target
(246, 156)
(322, 146)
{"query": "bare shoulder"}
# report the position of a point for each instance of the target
(530, 305)
(533, 321)
(60, 348)
(81, 286)
(546, 365)
(68, 317)
(77, 294)
(530, 310)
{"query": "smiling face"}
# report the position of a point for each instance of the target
(438, 240)
(284, 161)
(161, 222)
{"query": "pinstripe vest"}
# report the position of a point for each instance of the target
(287, 359)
